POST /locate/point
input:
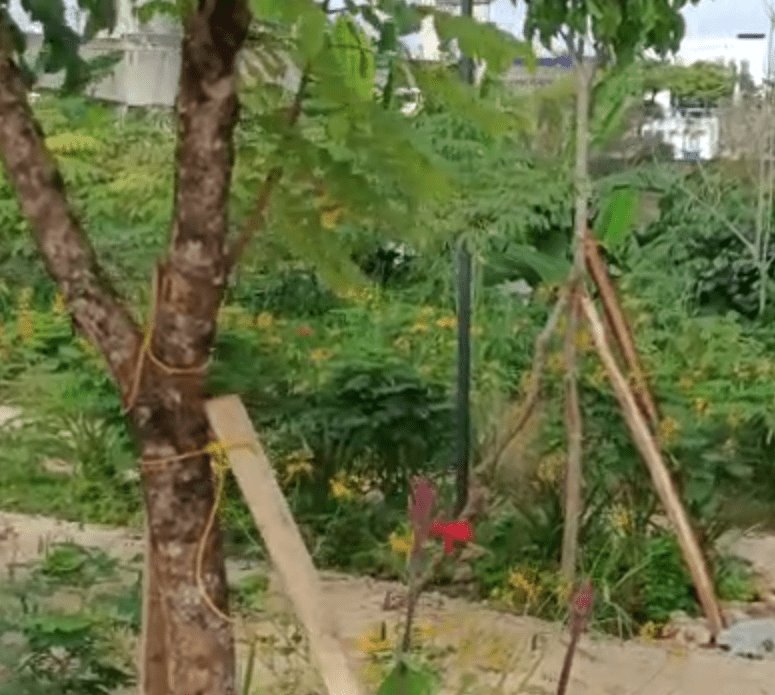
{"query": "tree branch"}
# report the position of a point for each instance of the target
(193, 278)
(67, 253)
(257, 218)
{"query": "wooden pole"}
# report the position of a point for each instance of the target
(620, 329)
(269, 508)
(660, 475)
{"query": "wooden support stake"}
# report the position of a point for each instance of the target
(660, 475)
(255, 477)
(620, 329)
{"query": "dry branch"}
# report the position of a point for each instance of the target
(289, 555)
(620, 329)
(67, 253)
(521, 411)
(660, 475)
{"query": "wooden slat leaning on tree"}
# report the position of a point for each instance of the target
(160, 369)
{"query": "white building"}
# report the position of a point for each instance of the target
(424, 44)
(147, 74)
(694, 133)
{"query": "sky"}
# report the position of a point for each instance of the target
(711, 30)
(710, 18)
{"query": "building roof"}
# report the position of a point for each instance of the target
(564, 62)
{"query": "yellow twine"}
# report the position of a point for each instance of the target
(219, 462)
(145, 350)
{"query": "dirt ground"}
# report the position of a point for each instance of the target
(482, 641)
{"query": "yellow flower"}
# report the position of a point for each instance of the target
(25, 326)
(520, 581)
(427, 312)
(650, 631)
(555, 364)
(551, 468)
(583, 340)
(296, 465)
(621, 519)
(446, 322)
(700, 406)
(25, 298)
(668, 430)
(319, 355)
(375, 641)
(294, 471)
(330, 218)
(419, 327)
(340, 489)
(564, 590)
(264, 320)
(58, 306)
(244, 321)
(401, 543)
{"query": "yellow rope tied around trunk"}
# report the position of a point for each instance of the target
(219, 463)
(145, 350)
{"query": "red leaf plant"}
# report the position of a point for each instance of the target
(422, 502)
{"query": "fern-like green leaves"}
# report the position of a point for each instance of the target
(352, 160)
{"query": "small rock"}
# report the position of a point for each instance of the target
(686, 631)
(752, 639)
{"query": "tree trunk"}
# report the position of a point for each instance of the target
(167, 414)
(573, 418)
(574, 482)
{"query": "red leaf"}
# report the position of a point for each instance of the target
(583, 601)
(452, 532)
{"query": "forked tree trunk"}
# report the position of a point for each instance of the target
(189, 650)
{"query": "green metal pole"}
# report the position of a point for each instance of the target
(463, 282)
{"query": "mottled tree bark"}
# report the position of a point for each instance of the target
(197, 653)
